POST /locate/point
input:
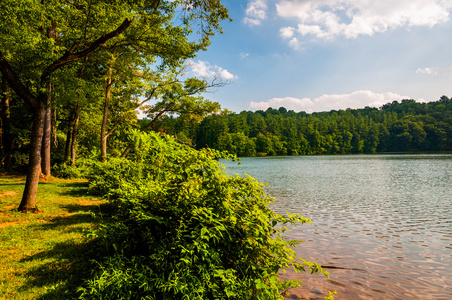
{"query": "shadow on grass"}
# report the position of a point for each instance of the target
(75, 189)
(71, 264)
(65, 266)
(71, 220)
(80, 214)
(13, 184)
(71, 208)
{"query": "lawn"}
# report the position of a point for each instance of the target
(45, 255)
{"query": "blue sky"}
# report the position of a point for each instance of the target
(319, 55)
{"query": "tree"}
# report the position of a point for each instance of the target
(209, 131)
(6, 139)
(77, 93)
(46, 36)
(179, 98)
(39, 100)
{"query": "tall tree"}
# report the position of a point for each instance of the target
(85, 26)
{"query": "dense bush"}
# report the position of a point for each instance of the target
(80, 170)
(184, 229)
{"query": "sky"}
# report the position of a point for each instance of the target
(320, 55)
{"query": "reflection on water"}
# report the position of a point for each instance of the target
(388, 215)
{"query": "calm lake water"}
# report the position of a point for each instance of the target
(389, 216)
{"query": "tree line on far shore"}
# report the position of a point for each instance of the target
(406, 126)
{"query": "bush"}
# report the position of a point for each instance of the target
(79, 171)
(184, 229)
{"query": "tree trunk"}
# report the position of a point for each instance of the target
(68, 140)
(1, 138)
(28, 202)
(74, 133)
(7, 137)
(47, 135)
(103, 129)
(54, 122)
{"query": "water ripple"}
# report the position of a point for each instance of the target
(389, 215)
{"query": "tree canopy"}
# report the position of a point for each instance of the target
(395, 127)
(117, 39)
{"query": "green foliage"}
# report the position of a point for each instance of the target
(81, 169)
(395, 127)
(237, 143)
(184, 229)
(69, 46)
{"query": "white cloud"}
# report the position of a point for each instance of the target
(256, 11)
(325, 19)
(287, 102)
(357, 99)
(252, 21)
(287, 32)
(312, 30)
(295, 43)
(225, 74)
(435, 71)
(206, 70)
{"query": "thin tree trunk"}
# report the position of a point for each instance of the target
(74, 123)
(28, 202)
(47, 136)
(103, 129)
(68, 139)
(54, 122)
(1, 138)
(124, 154)
(2, 95)
(7, 137)
(74, 133)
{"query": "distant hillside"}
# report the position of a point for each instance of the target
(395, 127)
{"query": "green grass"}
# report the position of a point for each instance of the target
(45, 255)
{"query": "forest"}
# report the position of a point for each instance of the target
(406, 126)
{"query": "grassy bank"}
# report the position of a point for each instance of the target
(45, 255)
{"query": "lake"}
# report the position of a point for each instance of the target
(386, 219)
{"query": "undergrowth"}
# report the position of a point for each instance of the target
(183, 229)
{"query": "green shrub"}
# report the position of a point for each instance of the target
(79, 171)
(184, 229)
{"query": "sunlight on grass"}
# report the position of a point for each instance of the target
(42, 254)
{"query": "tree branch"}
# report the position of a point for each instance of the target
(15, 82)
(139, 105)
(110, 132)
(70, 57)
